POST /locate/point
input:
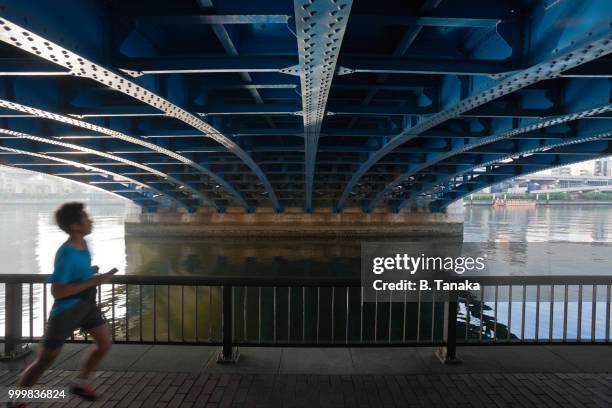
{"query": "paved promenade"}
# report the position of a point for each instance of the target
(188, 376)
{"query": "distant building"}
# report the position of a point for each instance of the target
(603, 167)
(585, 173)
(561, 171)
(17, 182)
(517, 190)
(497, 188)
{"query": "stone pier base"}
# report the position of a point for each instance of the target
(351, 223)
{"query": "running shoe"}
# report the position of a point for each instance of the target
(86, 392)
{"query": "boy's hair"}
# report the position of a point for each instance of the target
(68, 214)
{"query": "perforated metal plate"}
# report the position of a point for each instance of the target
(320, 26)
(112, 157)
(16, 35)
(594, 47)
(431, 188)
(486, 141)
(117, 177)
(442, 197)
(151, 146)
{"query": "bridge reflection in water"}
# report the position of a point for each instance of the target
(307, 292)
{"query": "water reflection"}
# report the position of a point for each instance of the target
(573, 223)
(29, 241)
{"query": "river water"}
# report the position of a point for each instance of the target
(29, 239)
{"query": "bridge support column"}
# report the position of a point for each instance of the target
(323, 223)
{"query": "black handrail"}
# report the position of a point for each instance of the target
(323, 281)
(13, 286)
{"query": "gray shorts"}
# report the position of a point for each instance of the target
(84, 315)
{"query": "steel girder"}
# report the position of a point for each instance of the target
(525, 165)
(143, 192)
(440, 178)
(401, 68)
(18, 36)
(320, 26)
(121, 136)
(569, 57)
(596, 97)
(165, 178)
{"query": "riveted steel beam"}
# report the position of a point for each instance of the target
(121, 136)
(398, 20)
(137, 66)
(215, 19)
(466, 145)
(145, 188)
(562, 156)
(320, 26)
(77, 148)
(217, 23)
(541, 148)
(570, 57)
(18, 36)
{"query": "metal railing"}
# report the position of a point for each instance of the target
(282, 311)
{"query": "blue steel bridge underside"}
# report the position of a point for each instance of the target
(303, 103)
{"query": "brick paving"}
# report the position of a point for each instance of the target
(160, 389)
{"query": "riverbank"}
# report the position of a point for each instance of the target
(542, 202)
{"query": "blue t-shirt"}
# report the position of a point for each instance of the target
(71, 265)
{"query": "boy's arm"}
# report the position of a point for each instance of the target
(61, 290)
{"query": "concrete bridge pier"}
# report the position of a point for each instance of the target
(294, 222)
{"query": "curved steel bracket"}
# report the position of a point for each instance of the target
(569, 58)
(22, 38)
(118, 177)
(130, 139)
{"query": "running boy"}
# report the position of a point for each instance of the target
(74, 283)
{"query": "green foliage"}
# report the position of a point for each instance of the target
(562, 196)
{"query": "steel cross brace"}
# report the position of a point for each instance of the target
(564, 60)
(18, 36)
(166, 178)
(567, 141)
(118, 177)
(118, 135)
(481, 141)
(320, 26)
(563, 158)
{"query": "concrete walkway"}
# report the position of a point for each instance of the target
(498, 376)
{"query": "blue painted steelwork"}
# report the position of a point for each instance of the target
(523, 166)
(597, 97)
(162, 177)
(16, 35)
(304, 103)
(118, 135)
(146, 194)
(460, 97)
(440, 180)
(320, 27)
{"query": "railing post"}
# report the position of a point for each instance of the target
(13, 347)
(447, 354)
(228, 354)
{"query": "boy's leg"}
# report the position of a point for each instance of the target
(102, 344)
(46, 356)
